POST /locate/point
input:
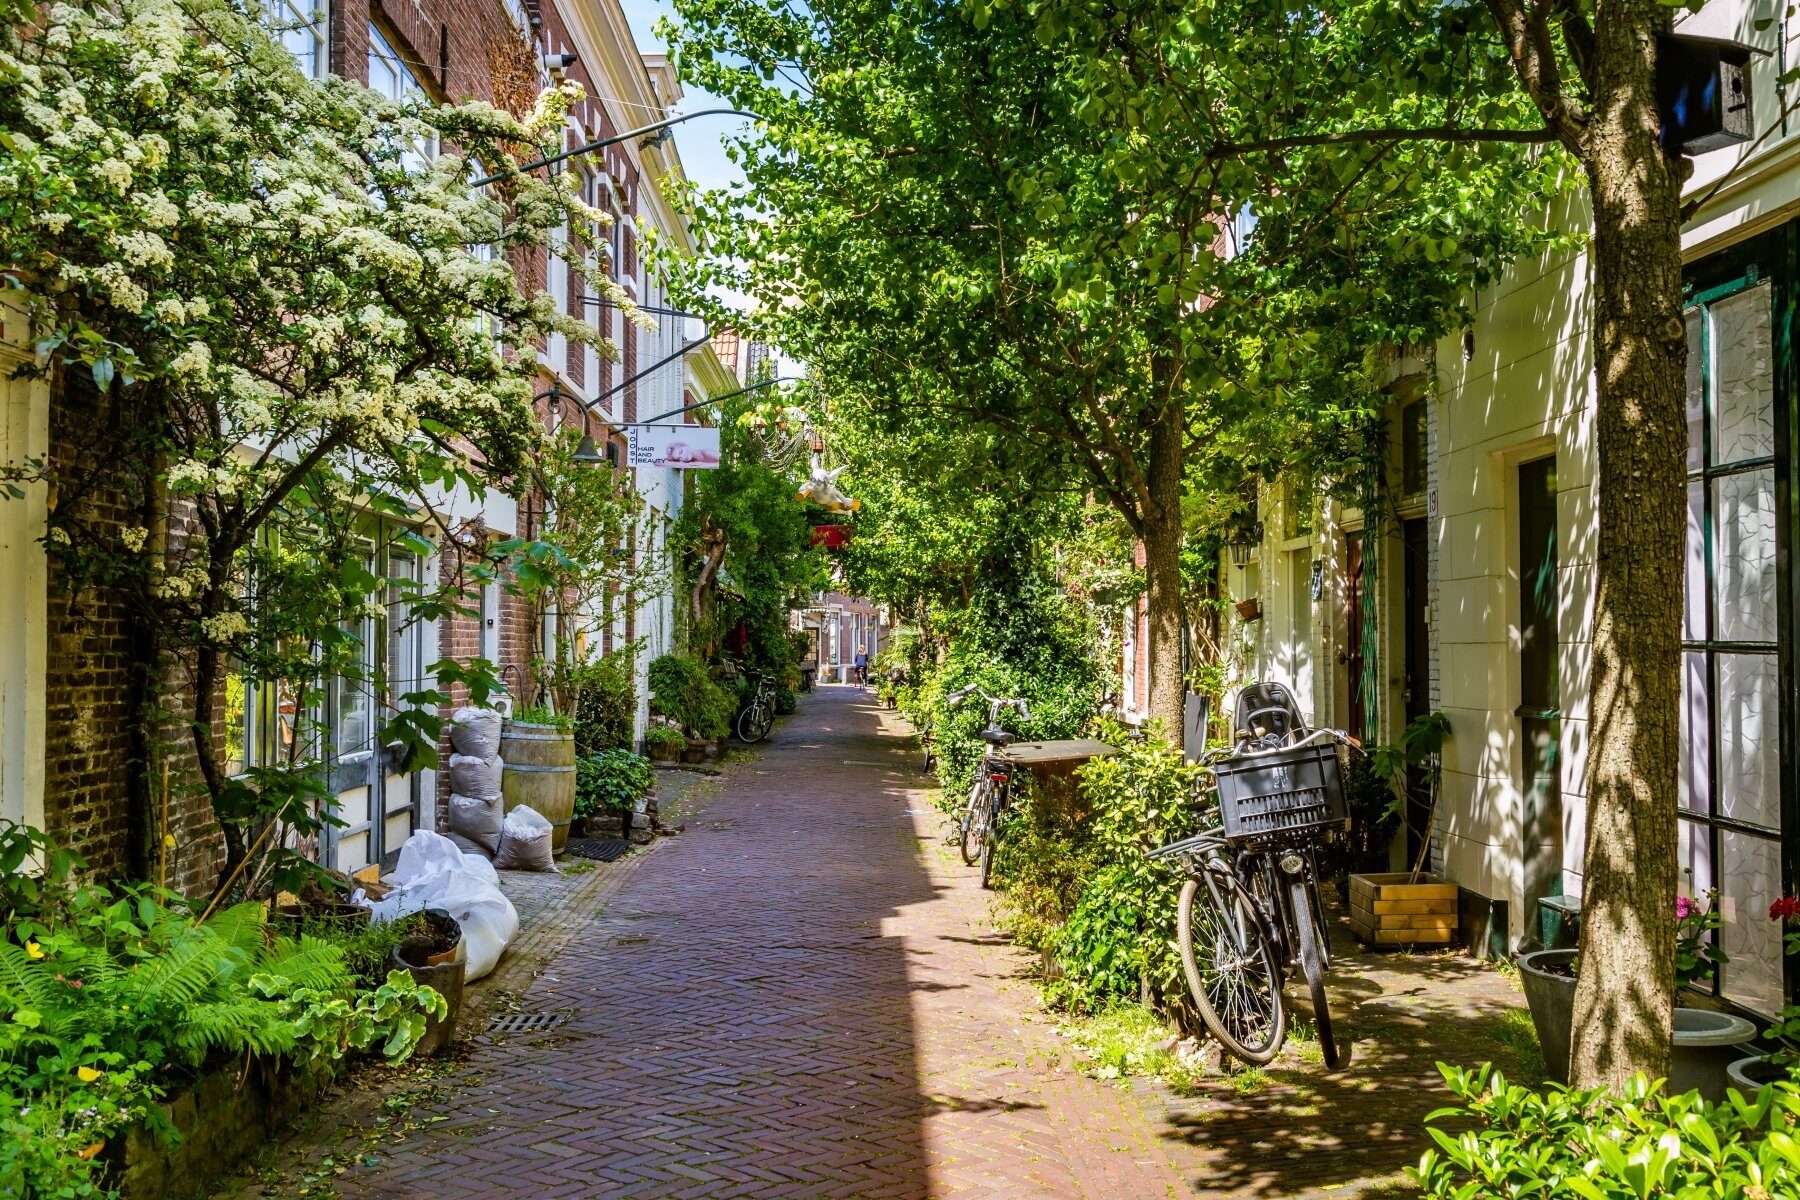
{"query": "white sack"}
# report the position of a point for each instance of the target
(473, 776)
(433, 873)
(475, 732)
(525, 842)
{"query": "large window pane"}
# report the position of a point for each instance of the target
(1696, 392)
(1744, 556)
(1696, 736)
(1693, 596)
(1752, 878)
(1693, 848)
(1748, 711)
(1743, 377)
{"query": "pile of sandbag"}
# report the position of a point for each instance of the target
(477, 812)
(433, 873)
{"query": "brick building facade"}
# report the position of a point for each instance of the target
(72, 675)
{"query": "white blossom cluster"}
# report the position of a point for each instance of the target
(273, 259)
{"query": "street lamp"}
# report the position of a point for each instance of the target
(653, 127)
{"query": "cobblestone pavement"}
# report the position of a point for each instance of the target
(802, 996)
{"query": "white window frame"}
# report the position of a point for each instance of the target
(301, 25)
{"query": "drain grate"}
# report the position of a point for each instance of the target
(599, 849)
(631, 941)
(526, 1022)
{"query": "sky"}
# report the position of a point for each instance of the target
(698, 142)
(702, 155)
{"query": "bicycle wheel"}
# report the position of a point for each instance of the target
(1231, 971)
(746, 725)
(1312, 962)
(762, 719)
(972, 824)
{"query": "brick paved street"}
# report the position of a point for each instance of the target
(802, 996)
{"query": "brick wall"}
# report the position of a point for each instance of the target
(92, 676)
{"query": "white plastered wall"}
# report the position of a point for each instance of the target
(24, 436)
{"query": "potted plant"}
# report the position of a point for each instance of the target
(434, 957)
(1750, 1074)
(608, 786)
(1704, 1041)
(664, 743)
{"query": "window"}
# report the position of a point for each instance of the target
(300, 26)
(392, 76)
(1731, 703)
(1414, 449)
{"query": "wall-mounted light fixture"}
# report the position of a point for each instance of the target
(1243, 542)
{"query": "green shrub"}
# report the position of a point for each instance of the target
(367, 946)
(665, 735)
(537, 714)
(611, 781)
(681, 690)
(112, 996)
(1640, 1145)
(786, 703)
(607, 707)
(1122, 928)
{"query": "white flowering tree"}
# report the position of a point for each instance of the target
(304, 330)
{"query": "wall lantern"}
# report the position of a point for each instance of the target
(1703, 92)
(1243, 542)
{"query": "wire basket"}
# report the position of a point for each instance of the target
(1282, 792)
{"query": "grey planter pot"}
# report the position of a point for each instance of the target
(1748, 1076)
(1552, 1002)
(1706, 1046)
(1706, 1043)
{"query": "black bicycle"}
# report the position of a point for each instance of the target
(989, 793)
(1249, 910)
(758, 716)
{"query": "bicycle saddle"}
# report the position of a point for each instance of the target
(998, 737)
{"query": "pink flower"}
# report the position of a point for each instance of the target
(1685, 908)
(1784, 909)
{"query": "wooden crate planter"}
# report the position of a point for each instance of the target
(1387, 910)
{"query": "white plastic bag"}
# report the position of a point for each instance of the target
(525, 842)
(433, 873)
(475, 732)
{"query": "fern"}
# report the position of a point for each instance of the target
(31, 986)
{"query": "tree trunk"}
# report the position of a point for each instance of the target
(1162, 570)
(1624, 1000)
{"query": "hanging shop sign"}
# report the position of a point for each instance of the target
(684, 447)
(832, 537)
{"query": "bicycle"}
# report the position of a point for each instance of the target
(1280, 791)
(758, 716)
(979, 828)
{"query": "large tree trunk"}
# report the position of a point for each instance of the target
(1624, 1000)
(1162, 569)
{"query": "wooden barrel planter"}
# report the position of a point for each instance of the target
(540, 773)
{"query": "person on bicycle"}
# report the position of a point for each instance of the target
(862, 665)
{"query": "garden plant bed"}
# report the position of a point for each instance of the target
(1393, 910)
(225, 1116)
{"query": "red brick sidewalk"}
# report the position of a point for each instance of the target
(801, 996)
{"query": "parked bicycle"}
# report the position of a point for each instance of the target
(1249, 910)
(758, 716)
(989, 794)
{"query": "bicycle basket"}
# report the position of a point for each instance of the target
(1281, 792)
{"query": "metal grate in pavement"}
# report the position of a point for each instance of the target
(599, 849)
(526, 1022)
